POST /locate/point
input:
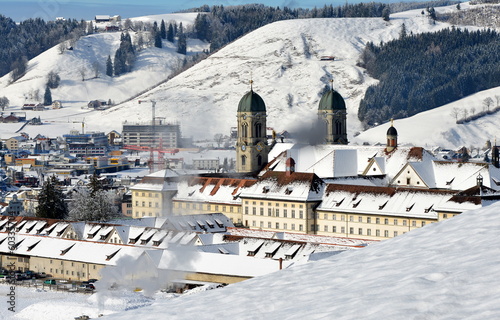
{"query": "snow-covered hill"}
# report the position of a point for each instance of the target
(282, 58)
(447, 270)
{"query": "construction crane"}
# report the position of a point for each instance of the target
(153, 165)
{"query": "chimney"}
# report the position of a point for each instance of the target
(290, 166)
(479, 180)
(495, 156)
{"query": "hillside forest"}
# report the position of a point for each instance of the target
(424, 71)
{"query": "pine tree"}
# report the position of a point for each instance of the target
(47, 97)
(158, 43)
(386, 13)
(163, 30)
(170, 33)
(109, 67)
(51, 201)
(181, 43)
(95, 184)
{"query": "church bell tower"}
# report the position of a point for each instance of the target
(332, 114)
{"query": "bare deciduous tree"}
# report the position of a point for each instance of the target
(95, 66)
(82, 73)
(455, 112)
(488, 102)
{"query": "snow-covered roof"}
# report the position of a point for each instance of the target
(293, 186)
(212, 190)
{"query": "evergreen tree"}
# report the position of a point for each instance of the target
(170, 33)
(158, 43)
(163, 30)
(403, 33)
(182, 44)
(51, 201)
(47, 97)
(109, 67)
(95, 184)
(124, 56)
(386, 13)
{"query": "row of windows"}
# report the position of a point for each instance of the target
(277, 225)
(275, 212)
(143, 214)
(199, 206)
(277, 204)
(72, 264)
(143, 194)
(353, 231)
(150, 204)
(375, 220)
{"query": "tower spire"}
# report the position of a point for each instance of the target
(331, 84)
(251, 81)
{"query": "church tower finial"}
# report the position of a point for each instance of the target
(392, 137)
(331, 83)
(251, 81)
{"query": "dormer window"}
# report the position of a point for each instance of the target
(288, 190)
(357, 203)
(265, 189)
(428, 209)
(409, 208)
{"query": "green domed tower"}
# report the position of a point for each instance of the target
(252, 148)
(332, 112)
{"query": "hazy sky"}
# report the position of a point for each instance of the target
(50, 9)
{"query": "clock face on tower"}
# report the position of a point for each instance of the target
(243, 147)
(260, 146)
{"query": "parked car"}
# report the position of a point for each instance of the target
(50, 281)
(41, 275)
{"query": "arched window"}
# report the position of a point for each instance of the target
(244, 130)
(243, 160)
(258, 130)
(259, 160)
(338, 127)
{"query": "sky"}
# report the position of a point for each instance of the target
(50, 9)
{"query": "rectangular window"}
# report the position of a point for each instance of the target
(395, 222)
(312, 227)
(334, 217)
(351, 230)
(445, 216)
(285, 213)
(377, 220)
(368, 220)
(246, 210)
(377, 233)
(404, 222)
(423, 223)
(386, 234)
(351, 218)
(395, 233)
(301, 214)
(284, 226)
(386, 221)
(301, 228)
(293, 214)
(360, 219)
(360, 231)
(342, 217)
(262, 224)
(414, 223)
(342, 229)
(269, 225)
(254, 223)
(277, 212)
(269, 211)
(254, 211)
(325, 216)
(334, 229)
(277, 225)
(325, 228)
(216, 208)
(293, 226)
(261, 211)
(369, 232)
